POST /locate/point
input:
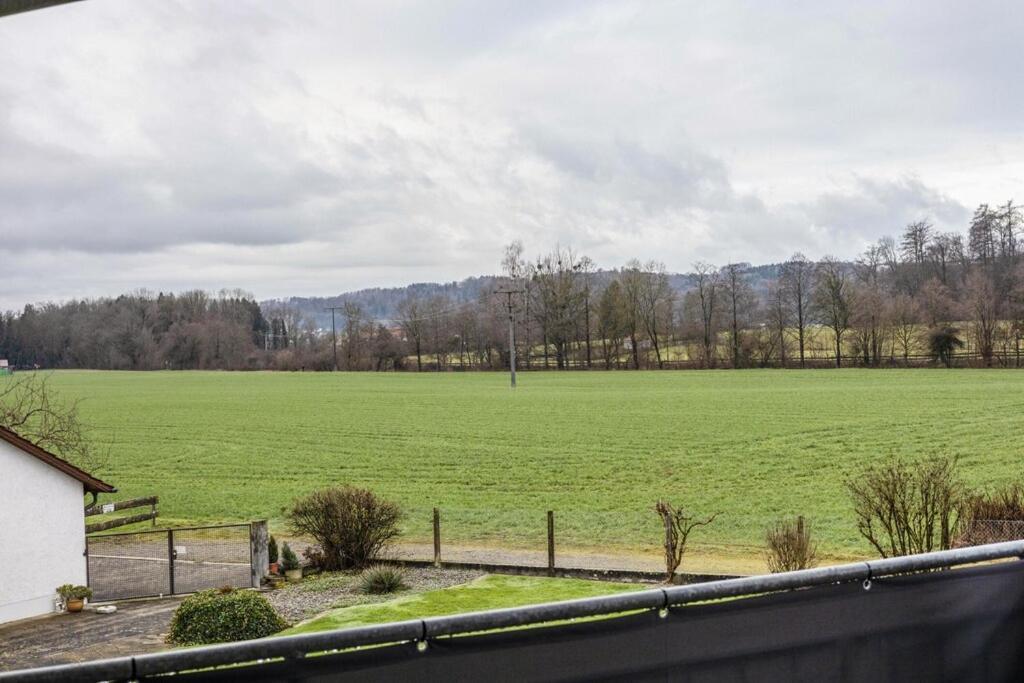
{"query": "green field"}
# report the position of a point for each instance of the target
(598, 448)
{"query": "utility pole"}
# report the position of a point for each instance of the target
(334, 333)
(511, 330)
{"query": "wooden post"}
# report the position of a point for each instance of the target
(259, 553)
(551, 542)
(152, 510)
(437, 538)
(800, 526)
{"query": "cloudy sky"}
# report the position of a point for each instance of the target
(303, 147)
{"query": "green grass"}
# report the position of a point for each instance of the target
(598, 448)
(487, 592)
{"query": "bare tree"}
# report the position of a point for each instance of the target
(707, 293)
(740, 300)
(905, 314)
(411, 312)
(798, 285)
(832, 299)
(981, 307)
(34, 410)
(612, 326)
(678, 525)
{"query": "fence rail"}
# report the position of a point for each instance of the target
(106, 508)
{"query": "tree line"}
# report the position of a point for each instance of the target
(924, 296)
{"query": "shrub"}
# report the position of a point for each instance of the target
(993, 516)
(214, 616)
(790, 546)
(1006, 504)
(351, 525)
(272, 550)
(382, 578)
(289, 560)
(943, 343)
(906, 508)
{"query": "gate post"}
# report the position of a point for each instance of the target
(170, 559)
(259, 554)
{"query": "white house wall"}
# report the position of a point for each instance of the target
(42, 534)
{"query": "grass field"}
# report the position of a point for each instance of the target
(598, 448)
(487, 592)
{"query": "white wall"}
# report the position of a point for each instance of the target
(42, 533)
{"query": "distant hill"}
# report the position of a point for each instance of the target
(381, 303)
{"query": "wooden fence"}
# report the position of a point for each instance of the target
(106, 508)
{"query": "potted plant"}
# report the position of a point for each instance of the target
(272, 555)
(290, 564)
(74, 597)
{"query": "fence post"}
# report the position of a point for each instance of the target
(437, 538)
(152, 509)
(800, 526)
(551, 542)
(170, 559)
(259, 554)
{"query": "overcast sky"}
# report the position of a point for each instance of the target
(301, 147)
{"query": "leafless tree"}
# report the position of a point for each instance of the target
(707, 292)
(33, 409)
(798, 284)
(832, 299)
(981, 308)
(678, 526)
(740, 302)
(411, 316)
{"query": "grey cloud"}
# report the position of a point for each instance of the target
(329, 147)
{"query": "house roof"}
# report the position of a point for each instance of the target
(91, 483)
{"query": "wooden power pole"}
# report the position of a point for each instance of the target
(334, 334)
(511, 330)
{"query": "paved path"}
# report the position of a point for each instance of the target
(137, 627)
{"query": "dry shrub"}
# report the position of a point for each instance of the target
(1005, 504)
(993, 516)
(903, 508)
(350, 525)
(790, 546)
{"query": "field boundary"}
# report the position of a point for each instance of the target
(623, 575)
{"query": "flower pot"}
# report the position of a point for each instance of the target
(75, 604)
(274, 567)
(293, 575)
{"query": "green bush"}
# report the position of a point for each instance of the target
(289, 560)
(382, 578)
(221, 616)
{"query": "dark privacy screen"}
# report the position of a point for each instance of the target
(954, 625)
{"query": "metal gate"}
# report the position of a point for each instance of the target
(169, 561)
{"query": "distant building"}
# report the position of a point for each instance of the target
(43, 529)
(5, 368)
